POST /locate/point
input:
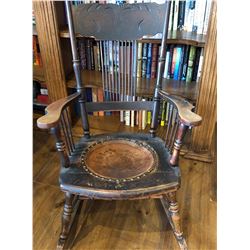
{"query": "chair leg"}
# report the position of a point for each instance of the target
(66, 220)
(171, 208)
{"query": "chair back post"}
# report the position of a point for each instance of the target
(77, 70)
(161, 64)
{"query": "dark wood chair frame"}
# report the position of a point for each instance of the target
(57, 120)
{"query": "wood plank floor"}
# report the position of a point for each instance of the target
(118, 225)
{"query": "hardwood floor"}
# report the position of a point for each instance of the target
(118, 225)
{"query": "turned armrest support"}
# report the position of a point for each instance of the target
(54, 111)
(187, 117)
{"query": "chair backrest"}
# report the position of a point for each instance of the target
(117, 27)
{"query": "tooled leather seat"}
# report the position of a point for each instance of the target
(134, 163)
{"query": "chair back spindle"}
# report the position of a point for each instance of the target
(116, 30)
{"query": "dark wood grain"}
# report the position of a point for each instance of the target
(187, 117)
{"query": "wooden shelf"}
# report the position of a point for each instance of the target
(145, 87)
(175, 37)
(37, 103)
(38, 73)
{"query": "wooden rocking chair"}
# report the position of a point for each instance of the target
(119, 166)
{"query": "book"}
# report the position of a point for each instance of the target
(171, 16)
(173, 62)
(200, 66)
(99, 66)
(185, 63)
(207, 15)
(181, 15)
(165, 72)
(82, 53)
(144, 60)
(88, 55)
(184, 47)
(154, 60)
(171, 51)
(149, 61)
(144, 117)
(190, 64)
(95, 56)
(177, 63)
(139, 59)
(175, 20)
(199, 16)
(188, 26)
(196, 63)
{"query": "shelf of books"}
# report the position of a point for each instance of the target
(132, 65)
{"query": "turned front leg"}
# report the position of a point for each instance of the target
(171, 208)
(66, 219)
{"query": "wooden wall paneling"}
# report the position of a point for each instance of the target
(49, 41)
(206, 106)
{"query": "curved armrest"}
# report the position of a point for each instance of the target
(53, 112)
(187, 117)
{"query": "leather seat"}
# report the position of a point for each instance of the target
(106, 165)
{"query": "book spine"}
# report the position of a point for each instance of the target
(127, 114)
(154, 60)
(177, 63)
(207, 15)
(149, 61)
(99, 66)
(144, 60)
(200, 66)
(88, 54)
(183, 49)
(190, 18)
(186, 14)
(171, 51)
(181, 15)
(175, 21)
(149, 117)
(144, 117)
(185, 63)
(199, 16)
(170, 23)
(139, 59)
(95, 56)
(196, 63)
(173, 62)
(190, 64)
(165, 73)
(82, 52)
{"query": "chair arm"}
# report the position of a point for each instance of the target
(187, 117)
(54, 111)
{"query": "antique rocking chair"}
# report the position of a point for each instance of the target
(119, 166)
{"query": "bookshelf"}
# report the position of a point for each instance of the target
(38, 72)
(55, 47)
